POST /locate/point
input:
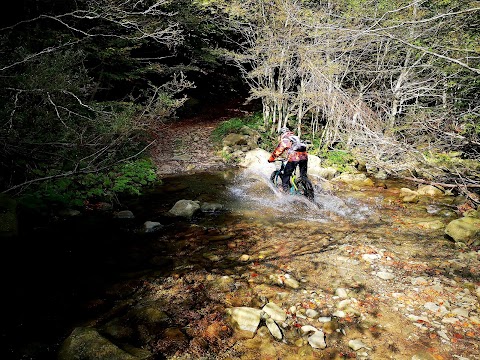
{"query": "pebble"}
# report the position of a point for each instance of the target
(305, 329)
(423, 356)
(412, 317)
(443, 335)
(274, 329)
(371, 257)
(340, 314)
(324, 319)
(431, 306)
(475, 320)
(385, 275)
(244, 257)
(291, 282)
(317, 340)
(312, 313)
(342, 305)
(341, 293)
(450, 320)
(419, 281)
(437, 288)
(357, 344)
(460, 312)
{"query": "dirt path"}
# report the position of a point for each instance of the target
(186, 146)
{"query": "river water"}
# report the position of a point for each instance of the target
(73, 272)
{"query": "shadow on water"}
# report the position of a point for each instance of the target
(57, 266)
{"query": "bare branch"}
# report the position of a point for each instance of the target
(423, 49)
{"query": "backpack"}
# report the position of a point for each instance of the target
(297, 144)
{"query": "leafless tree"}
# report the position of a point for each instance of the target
(374, 79)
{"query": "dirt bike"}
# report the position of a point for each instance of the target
(298, 185)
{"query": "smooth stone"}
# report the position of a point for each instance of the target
(385, 275)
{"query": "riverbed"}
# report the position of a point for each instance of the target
(358, 264)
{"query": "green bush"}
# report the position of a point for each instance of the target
(233, 125)
(340, 159)
(124, 179)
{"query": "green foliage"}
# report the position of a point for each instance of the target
(235, 124)
(226, 156)
(124, 179)
(471, 127)
(450, 160)
(340, 159)
(114, 118)
(316, 146)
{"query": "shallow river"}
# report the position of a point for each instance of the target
(90, 271)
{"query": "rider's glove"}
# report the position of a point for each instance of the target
(271, 159)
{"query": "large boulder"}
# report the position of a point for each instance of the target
(253, 136)
(314, 165)
(185, 208)
(315, 168)
(430, 190)
(235, 139)
(465, 229)
(408, 195)
(358, 179)
(256, 161)
(87, 344)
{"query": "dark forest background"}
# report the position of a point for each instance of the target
(87, 86)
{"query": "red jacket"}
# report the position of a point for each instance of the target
(285, 144)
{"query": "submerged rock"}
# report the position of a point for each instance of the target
(275, 312)
(185, 208)
(210, 207)
(357, 344)
(245, 319)
(152, 226)
(87, 344)
(466, 230)
(274, 329)
(124, 214)
(317, 340)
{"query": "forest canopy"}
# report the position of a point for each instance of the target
(88, 85)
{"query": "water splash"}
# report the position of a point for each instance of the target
(254, 191)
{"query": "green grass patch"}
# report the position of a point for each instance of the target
(340, 159)
(235, 124)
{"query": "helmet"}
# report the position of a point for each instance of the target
(283, 130)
